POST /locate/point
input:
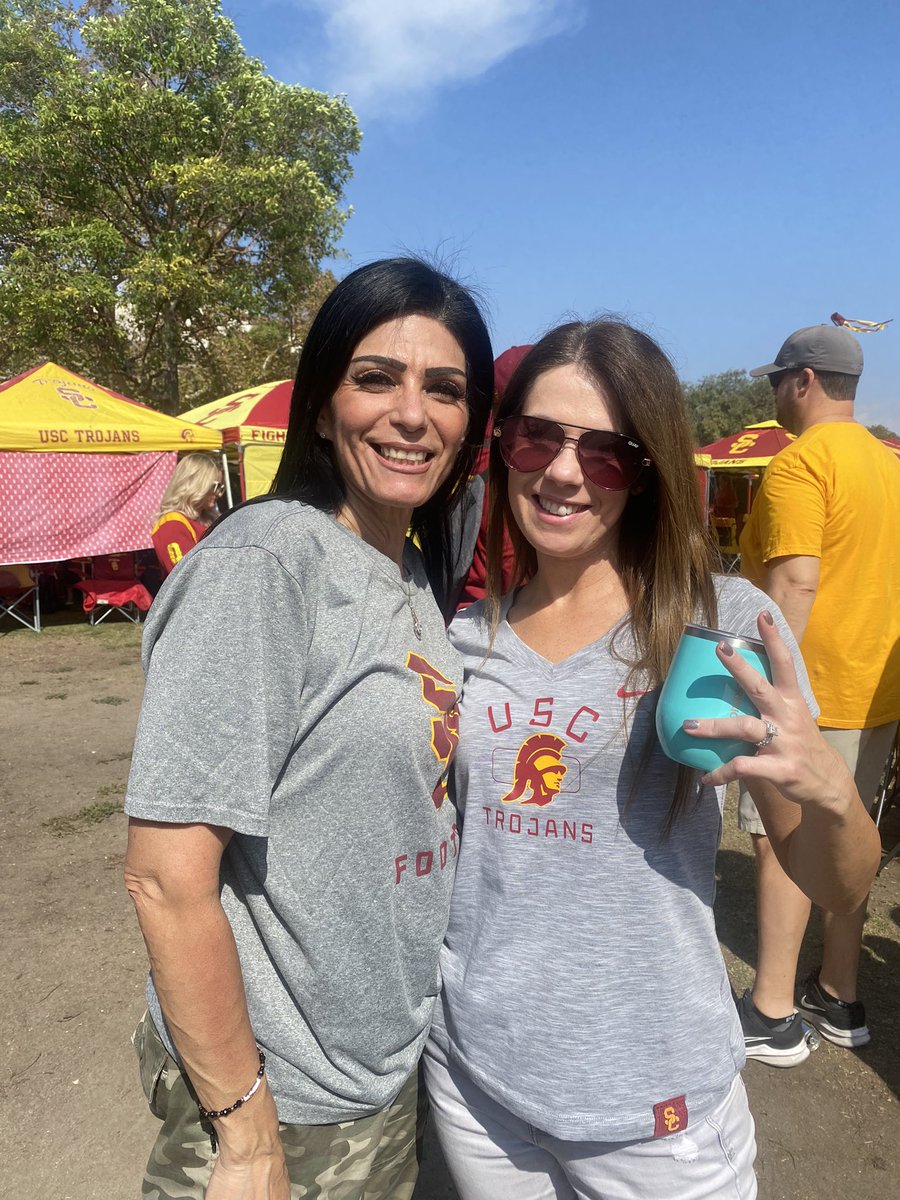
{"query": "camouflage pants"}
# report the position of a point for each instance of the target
(373, 1158)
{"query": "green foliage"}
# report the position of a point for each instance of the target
(882, 431)
(159, 193)
(724, 403)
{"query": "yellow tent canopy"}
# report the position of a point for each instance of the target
(50, 408)
(255, 421)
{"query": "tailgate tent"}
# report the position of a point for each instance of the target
(82, 469)
(754, 446)
(254, 422)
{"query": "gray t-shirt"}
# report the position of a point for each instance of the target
(584, 988)
(288, 699)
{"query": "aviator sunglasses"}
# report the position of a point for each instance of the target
(610, 460)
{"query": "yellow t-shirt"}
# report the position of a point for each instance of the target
(834, 494)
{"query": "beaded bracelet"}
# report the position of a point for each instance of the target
(209, 1115)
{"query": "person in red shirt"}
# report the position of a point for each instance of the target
(473, 587)
(187, 509)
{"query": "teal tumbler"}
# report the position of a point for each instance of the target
(697, 687)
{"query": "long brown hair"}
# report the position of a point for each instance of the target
(666, 557)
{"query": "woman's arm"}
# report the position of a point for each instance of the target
(815, 820)
(172, 875)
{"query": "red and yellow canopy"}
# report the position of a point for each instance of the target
(255, 415)
(754, 446)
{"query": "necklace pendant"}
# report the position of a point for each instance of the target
(417, 624)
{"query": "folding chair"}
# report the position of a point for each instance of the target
(113, 588)
(18, 586)
(888, 795)
(725, 529)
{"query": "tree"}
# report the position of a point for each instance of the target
(160, 192)
(881, 431)
(725, 403)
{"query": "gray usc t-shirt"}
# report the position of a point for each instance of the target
(584, 988)
(289, 699)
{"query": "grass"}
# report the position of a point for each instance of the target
(114, 700)
(91, 814)
(56, 695)
(111, 789)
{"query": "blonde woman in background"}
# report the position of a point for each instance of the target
(188, 508)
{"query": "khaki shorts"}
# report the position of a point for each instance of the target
(865, 751)
(373, 1158)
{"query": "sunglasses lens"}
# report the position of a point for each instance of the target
(608, 460)
(529, 443)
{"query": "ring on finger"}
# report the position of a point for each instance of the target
(771, 734)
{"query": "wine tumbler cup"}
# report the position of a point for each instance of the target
(699, 686)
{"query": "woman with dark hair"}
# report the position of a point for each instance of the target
(586, 1043)
(291, 866)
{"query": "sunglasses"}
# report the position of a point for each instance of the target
(610, 460)
(776, 377)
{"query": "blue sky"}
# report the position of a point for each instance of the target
(721, 172)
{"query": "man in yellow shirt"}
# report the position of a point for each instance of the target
(821, 540)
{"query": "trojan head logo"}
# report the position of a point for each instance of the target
(539, 769)
(439, 692)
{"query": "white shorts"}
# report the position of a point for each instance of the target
(865, 751)
(493, 1155)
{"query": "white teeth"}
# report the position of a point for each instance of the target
(413, 456)
(558, 510)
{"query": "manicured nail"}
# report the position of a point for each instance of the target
(768, 618)
(690, 725)
(726, 649)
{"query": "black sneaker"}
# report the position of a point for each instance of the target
(842, 1023)
(785, 1044)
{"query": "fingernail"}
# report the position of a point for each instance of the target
(768, 618)
(726, 649)
(690, 725)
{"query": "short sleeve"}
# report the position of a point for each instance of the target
(173, 537)
(791, 519)
(740, 603)
(224, 654)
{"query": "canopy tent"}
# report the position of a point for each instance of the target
(254, 421)
(754, 446)
(82, 469)
(51, 409)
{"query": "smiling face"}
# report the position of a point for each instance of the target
(559, 511)
(397, 421)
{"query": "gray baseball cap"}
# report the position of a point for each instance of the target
(822, 347)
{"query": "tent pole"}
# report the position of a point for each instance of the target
(227, 478)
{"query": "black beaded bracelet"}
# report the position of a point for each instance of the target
(209, 1115)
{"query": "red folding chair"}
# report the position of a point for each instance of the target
(114, 587)
(18, 587)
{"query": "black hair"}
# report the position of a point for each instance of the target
(378, 292)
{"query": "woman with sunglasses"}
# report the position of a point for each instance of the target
(587, 1043)
(188, 508)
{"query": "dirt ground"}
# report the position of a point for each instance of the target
(73, 1125)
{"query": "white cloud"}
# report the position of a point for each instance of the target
(382, 52)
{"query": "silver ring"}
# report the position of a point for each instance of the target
(771, 734)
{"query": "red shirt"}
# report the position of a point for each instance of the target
(173, 535)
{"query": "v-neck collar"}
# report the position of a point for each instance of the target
(520, 652)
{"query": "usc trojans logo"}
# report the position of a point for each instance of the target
(439, 692)
(539, 769)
